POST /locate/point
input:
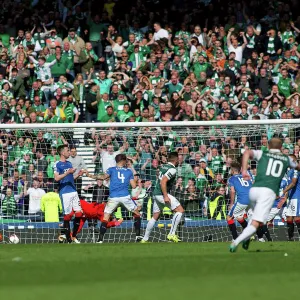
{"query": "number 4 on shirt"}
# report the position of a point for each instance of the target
(121, 177)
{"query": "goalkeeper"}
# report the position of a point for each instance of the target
(94, 211)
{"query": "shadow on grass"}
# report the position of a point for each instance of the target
(265, 251)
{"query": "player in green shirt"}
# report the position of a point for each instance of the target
(271, 167)
(162, 198)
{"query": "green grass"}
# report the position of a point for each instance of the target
(149, 271)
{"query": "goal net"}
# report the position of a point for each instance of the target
(30, 206)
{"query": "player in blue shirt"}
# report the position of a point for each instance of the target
(64, 175)
(121, 178)
(280, 202)
(239, 199)
(293, 208)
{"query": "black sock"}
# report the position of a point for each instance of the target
(232, 228)
(76, 224)
(244, 224)
(67, 230)
(267, 233)
(298, 226)
(137, 226)
(259, 232)
(103, 229)
(290, 227)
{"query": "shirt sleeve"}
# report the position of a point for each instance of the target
(257, 154)
(295, 174)
(230, 182)
(108, 171)
(170, 173)
(131, 175)
(55, 167)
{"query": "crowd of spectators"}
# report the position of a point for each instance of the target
(143, 61)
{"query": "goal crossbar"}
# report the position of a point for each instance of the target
(153, 124)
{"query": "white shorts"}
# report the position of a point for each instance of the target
(281, 212)
(159, 203)
(113, 203)
(261, 201)
(70, 202)
(293, 208)
(238, 210)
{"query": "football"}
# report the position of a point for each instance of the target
(13, 239)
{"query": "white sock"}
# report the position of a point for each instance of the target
(245, 235)
(175, 221)
(149, 228)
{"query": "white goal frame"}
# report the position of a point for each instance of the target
(118, 237)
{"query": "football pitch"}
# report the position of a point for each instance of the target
(149, 271)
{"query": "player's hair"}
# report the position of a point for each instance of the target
(172, 156)
(61, 148)
(236, 166)
(275, 143)
(120, 157)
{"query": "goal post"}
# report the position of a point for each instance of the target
(206, 151)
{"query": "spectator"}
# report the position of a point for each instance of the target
(100, 192)
(92, 99)
(35, 194)
(41, 161)
(8, 203)
(234, 66)
(51, 206)
(54, 111)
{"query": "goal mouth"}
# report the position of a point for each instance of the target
(206, 151)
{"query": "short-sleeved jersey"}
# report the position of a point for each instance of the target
(283, 185)
(271, 168)
(295, 191)
(290, 175)
(169, 171)
(241, 187)
(119, 181)
(65, 185)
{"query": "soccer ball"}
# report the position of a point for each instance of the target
(13, 239)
